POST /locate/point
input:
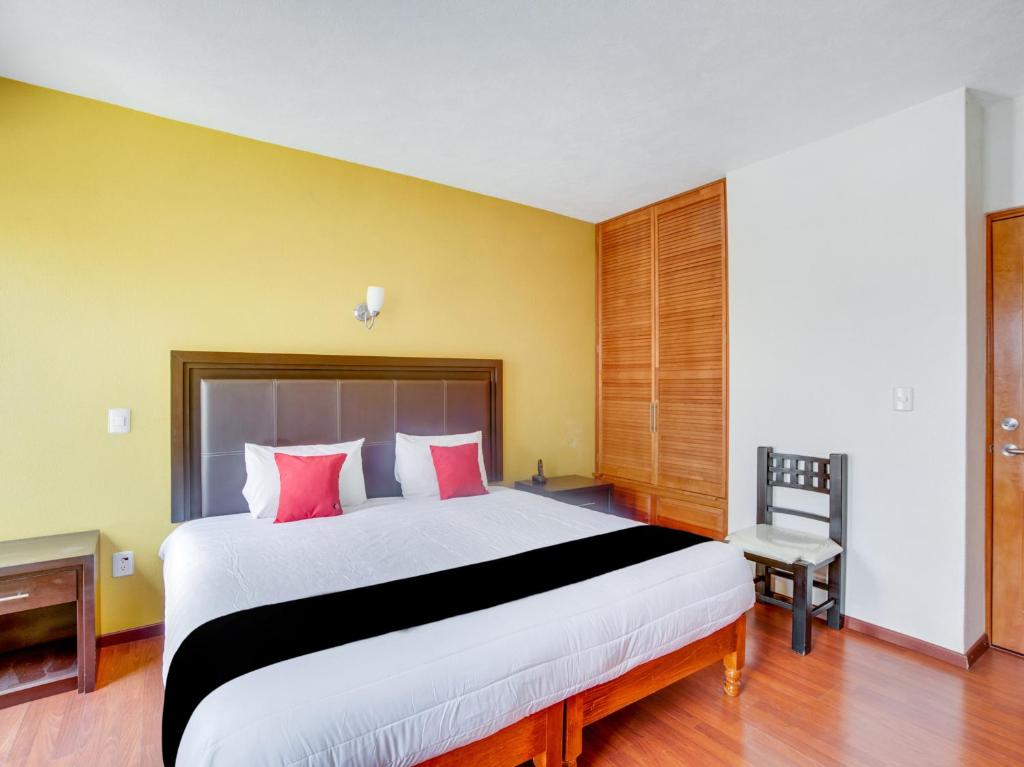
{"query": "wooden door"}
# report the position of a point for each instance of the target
(1006, 235)
(625, 315)
(690, 340)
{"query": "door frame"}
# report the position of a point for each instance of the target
(990, 219)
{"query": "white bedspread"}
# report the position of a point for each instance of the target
(403, 697)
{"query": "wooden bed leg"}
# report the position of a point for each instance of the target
(572, 739)
(732, 676)
(552, 755)
(734, 660)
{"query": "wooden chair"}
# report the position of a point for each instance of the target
(795, 555)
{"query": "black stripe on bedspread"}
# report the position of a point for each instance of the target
(212, 655)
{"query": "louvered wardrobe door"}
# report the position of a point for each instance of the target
(625, 315)
(690, 341)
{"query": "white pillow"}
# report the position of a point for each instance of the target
(414, 466)
(262, 489)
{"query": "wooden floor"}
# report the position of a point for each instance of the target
(853, 701)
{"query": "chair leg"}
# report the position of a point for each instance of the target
(762, 587)
(803, 606)
(835, 593)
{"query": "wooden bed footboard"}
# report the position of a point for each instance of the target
(728, 645)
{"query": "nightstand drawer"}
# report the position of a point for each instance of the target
(591, 498)
(31, 591)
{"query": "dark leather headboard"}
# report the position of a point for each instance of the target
(221, 400)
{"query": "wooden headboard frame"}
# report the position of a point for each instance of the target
(190, 369)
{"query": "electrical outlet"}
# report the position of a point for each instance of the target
(124, 563)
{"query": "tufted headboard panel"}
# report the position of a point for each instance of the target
(220, 401)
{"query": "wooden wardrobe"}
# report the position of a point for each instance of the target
(662, 361)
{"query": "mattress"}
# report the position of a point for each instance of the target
(404, 697)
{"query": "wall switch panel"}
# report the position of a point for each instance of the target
(903, 398)
(119, 420)
(124, 563)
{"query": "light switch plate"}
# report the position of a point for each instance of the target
(119, 420)
(124, 563)
(903, 398)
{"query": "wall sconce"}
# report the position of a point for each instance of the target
(367, 313)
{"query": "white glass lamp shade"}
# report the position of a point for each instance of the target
(374, 299)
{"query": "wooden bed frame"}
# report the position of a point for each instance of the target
(728, 644)
(554, 737)
(466, 396)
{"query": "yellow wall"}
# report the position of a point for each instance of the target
(123, 236)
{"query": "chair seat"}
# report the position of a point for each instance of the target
(784, 545)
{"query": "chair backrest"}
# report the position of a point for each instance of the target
(803, 472)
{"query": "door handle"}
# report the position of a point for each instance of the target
(1010, 450)
(12, 597)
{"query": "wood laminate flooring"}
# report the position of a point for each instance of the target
(853, 701)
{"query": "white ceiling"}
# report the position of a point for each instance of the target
(584, 108)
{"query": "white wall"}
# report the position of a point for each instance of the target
(1004, 154)
(848, 276)
(977, 340)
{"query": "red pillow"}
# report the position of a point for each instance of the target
(309, 486)
(458, 470)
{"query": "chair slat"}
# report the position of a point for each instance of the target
(826, 605)
(799, 513)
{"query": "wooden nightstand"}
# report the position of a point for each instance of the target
(579, 491)
(47, 616)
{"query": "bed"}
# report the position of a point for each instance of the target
(493, 687)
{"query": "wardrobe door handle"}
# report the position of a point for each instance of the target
(12, 597)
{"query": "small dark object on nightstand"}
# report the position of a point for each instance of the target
(539, 478)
